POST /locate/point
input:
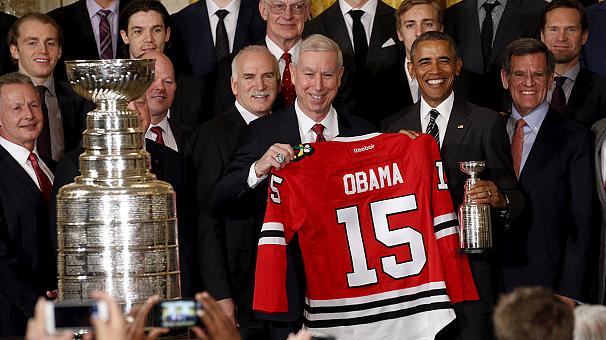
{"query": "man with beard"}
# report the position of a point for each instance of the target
(578, 93)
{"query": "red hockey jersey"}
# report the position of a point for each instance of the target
(378, 236)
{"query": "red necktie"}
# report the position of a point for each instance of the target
(517, 145)
(43, 181)
(158, 131)
(105, 35)
(319, 130)
(287, 88)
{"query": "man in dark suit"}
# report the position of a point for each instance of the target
(6, 64)
(316, 71)
(594, 51)
(195, 30)
(27, 259)
(599, 129)
(578, 93)
(226, 242)
(160, 96)
(80, 23)
(481, 49)
(464, 132)
(35, 43)
(366, 32)
(549, 243)
(145, 26)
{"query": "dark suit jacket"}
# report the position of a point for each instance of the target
(6, 64)
(233, 190)
(190, 105)
(374, 88)
(73, 114)
(225, 266)
(594, 51)
(520, 19)
(192, 49)
(587, 102)
(27, 258)
(180, 131)
(548, 244)
(473, 133)
(599, 129)
(78, 35)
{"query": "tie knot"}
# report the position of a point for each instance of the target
(434, 114)
(520, 123)
(356, 14)
(157, 130)
(33, 158)
(222, 13)
(41, 90)
(488, 7)
(318, 129)
(104, 12)
(286, 57)
(560, 80)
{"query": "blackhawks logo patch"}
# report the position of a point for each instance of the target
(301, 151)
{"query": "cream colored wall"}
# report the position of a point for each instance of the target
(22, 6)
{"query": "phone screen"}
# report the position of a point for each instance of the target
(175, 314)
(73, 317)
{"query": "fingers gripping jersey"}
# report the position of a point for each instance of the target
(378, 236)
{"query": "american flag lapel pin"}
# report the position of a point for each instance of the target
(460, 126)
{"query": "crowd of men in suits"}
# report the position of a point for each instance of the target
(237, 83)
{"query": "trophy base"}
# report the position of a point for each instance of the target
(474, 250)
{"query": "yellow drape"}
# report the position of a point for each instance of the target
(318, 6)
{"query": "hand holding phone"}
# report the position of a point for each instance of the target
(176, 313)
(73, 317)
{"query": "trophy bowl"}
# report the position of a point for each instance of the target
(110, 79)
(472, 168)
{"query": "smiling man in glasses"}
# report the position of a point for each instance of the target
(553, 159)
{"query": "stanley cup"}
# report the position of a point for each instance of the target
(116, 224)
(475, 231)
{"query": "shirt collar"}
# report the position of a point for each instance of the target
(232, 7)
(408, 76)
(305, 123)
(369, 8)
(277, 50)
(572, 73)
(533, 119)
(50, 86)
(482, 2)
(163, 124)
(444, 108)
(19, 153)
(93, 7)
(246, 115)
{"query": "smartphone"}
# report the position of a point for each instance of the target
(73, 316)
(176, 313)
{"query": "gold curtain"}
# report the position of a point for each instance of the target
(318, 6)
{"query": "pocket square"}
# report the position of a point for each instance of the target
(388, 43)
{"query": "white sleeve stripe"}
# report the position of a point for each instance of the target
(444, 218)
(447, 232)
(267, 226)
(280, 241)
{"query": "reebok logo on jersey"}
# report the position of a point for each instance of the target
(364, 148)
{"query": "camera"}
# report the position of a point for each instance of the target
(74, 317)
(176, 313)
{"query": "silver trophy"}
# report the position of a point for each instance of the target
(116, 224)
(475, 231)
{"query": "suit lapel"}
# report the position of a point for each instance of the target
(504, 30)
(10, 165)
(411, 120)
(236, 122)
(339, 28)
(580, 89)
(205, 49)
(84, 24)
(458, 125)
(289, 127)
(379, 34)
(247, 9)
(472, 25)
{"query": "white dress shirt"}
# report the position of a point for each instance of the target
(230, 21)
(445, 108)
(413, 84)
(246, 115)
(277, 52)
(367, 18)
(93, 9)
(21, 155)
(167, 134)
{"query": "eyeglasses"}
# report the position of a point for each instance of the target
(280, 8)
(521, 76)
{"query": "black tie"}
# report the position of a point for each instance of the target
(432, 127)
(222, 42)
(359, 37)
(558, 97)
(44, 140)
(487, 33)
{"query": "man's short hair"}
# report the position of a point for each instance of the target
(572, 4)
(254, 49)
(318, 43)
(13, 33)
(526, 46)
(590, 322)
(532, 313)
(434, 36)
(14, 78)
(407, 5)
(142, 6)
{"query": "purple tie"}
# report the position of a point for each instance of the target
(558, 97)
(105, 35)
